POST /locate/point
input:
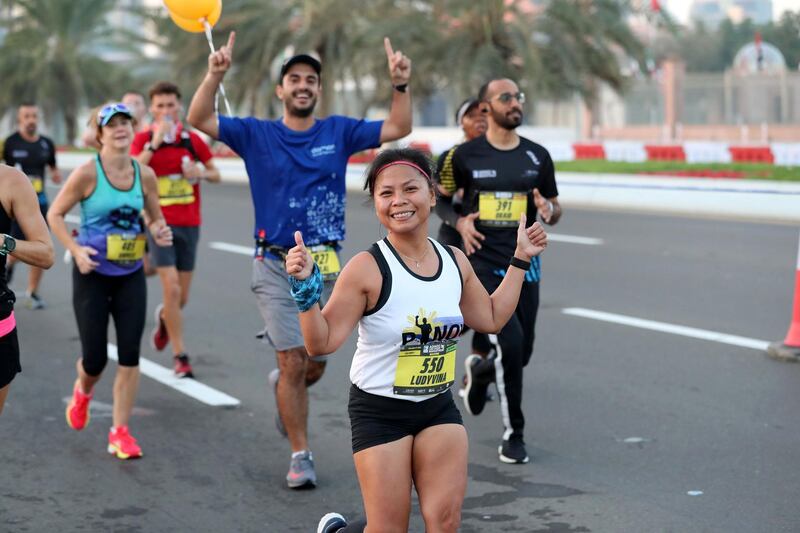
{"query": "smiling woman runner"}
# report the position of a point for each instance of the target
(410, 297)
(107, 278)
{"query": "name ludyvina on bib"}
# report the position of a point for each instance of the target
(427, 358)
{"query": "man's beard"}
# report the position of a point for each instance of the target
(30, 131)
(303, 112)
(507, 122)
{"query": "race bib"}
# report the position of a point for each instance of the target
(326, 259)
(498, 208)
(125, 246)
(38, 184)
(175, 190)
(424, 369)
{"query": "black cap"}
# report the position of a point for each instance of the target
(301, 58)
(466, 106)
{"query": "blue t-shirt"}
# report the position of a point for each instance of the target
(297, 178)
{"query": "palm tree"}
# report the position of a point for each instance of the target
(262, 35)
(455, 45)
(50, 55)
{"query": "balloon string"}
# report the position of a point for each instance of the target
(207, 27)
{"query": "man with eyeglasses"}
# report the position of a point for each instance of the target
(504, 176)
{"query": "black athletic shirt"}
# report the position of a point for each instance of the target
(33, 157)
(479, 167)
(6, 295)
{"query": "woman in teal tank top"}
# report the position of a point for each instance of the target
(107, 278)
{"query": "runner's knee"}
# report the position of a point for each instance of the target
(314, 371)
(94, 364)
(172, 291)
(293, 364)
(443, 516)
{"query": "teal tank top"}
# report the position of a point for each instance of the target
(110, 224)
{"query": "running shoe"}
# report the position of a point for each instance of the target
(301, 471)
(479, 376)
(331, 523)
(273, 382)
(159, 338)
(182, 367)
(35, 301)
(78, 409)
(122, 444)
(512, 451)
(462, 392)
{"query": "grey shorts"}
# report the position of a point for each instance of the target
(181, 254)
(270, 284)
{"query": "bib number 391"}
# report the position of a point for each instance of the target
(498, 208)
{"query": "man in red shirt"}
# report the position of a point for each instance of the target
(181, 160)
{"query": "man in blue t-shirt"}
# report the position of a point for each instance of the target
(296, 166)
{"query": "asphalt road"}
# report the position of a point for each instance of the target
(630, 430)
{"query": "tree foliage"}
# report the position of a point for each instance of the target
(50, 55)
(713, 49)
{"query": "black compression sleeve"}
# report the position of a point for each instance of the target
(446, 211)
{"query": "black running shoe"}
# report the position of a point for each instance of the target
(479, 374)
(512, 451)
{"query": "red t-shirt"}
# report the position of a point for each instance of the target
(180, 201)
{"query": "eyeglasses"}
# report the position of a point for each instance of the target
(506, 98)
(110, 110)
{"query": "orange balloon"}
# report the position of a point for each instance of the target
(196, 25)
(191, 9)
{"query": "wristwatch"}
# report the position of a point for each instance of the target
(9, 244)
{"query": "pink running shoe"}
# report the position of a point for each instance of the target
(78, 409)
(122, 444)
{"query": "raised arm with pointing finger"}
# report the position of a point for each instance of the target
(201, 111)
(296, 166)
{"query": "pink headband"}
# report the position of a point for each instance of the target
(403, 162)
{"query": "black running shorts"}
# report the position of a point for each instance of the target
(9, 358)
(376, 420)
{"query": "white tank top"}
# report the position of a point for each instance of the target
(407, 344)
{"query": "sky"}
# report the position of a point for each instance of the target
(680, 8)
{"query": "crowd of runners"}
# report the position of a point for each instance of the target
(140, 214)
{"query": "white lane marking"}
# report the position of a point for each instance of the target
(189, 387)
(664, 327)
(233, 248)
(72, 219)
(574, 239)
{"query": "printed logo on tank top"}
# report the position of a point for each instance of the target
(426, 363)
(125, 244)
